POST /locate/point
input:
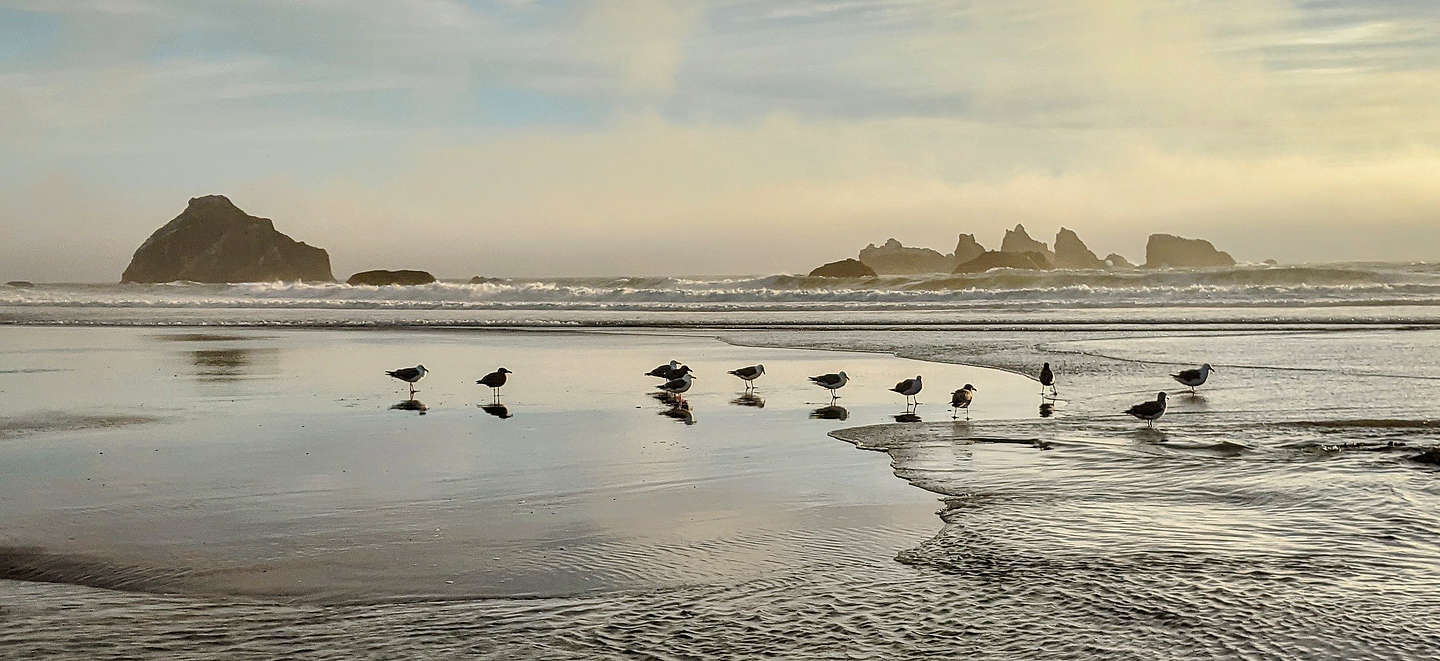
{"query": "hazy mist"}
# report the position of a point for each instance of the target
(646, 137)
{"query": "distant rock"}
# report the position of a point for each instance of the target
(1167, 250)
(995, 259)
(898, 259)
(966, 249)
(23, 284)
(1071, 252)
(1115, 261)
(478, 280)
(380, 277)
(1018, 240)
(1270, 262)
(212, 240)
(845, 268)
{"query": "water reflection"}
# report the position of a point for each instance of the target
(233, 364)
(907, 416)
(749, 399)
(680, 414)
(1148, 435)
(1046, 409)
(411, 405)
(498, 410)
(832, 412)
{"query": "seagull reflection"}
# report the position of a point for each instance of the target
(1046, 409)
(665, 397)
(832, 412)
(749, 399)
(411, 405)
(680, 413)
(498, 410)
(907, 416)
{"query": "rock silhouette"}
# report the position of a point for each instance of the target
(1071, 252)
(845, 268)
(380, 277)
(896, 258)
(212, 240)
(1018, 240)
(1168, 250)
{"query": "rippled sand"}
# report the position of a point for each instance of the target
(1277, 515)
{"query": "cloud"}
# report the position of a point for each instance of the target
(530, 137)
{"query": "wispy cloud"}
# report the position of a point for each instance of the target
(831, 123)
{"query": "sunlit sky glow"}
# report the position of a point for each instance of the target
(645, 137)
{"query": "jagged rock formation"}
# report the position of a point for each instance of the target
(895, 258)
(1071, 252)
(966, 249)
(380, 277)
(1115, 261)
(845, 268)
(481, 280)
(996, 259)
(20, 284)
(1167, 250)
(1018, 240)
(212, 240)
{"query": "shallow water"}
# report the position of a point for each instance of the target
(1276, 515)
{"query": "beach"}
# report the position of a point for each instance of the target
(251, 484)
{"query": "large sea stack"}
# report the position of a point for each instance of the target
(966, 249)
(895, 258)
(1019, 241)
(1071, 252)
(1166, 250)
(212, 240)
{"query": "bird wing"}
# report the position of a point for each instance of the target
(1145, 408)
(1188, 375)
(826, 379)
(671, 384)
(904, 385)
(407, 373)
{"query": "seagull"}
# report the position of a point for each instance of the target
(678, 386)
(410, 375)
(1149, 411)
(961, 399)
(831, 382)
(665, 371)
(909, 388)
(1047, 378)
(1193, 378)
(494, 380)
(749, 374)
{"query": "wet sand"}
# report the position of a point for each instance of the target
(285, 463)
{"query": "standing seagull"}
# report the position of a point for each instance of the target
(1193, 378)
(961, 399)
(669, 371)
(1047, 378)
(494, 380)
(909, 388)
(410, 375)
(678, 386)
(749, 374)
(831, 382)
(1149, 411)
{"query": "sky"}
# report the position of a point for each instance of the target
(533, 137)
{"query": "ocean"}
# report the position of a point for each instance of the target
(203, 471)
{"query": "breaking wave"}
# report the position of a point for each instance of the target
(1306, 285)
